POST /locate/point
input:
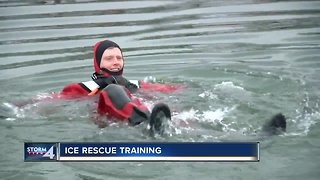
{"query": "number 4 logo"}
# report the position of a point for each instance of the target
(49, 153)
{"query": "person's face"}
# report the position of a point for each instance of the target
(112, 59)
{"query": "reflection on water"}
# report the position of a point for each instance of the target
(242, 61)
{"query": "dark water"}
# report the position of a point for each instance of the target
(242, 62)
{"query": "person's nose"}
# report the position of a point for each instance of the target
(116, 61)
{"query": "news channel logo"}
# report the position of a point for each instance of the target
(40, 151)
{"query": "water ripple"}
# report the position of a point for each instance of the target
(255, 57)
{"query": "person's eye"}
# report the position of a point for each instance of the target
(108, 58)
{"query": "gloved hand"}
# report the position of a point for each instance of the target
(126, 83)
(104, 81)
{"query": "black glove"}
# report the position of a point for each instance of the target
(127, 84)
(104, 81)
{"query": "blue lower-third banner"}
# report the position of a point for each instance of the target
(248, 151)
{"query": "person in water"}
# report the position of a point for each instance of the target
(114, 90)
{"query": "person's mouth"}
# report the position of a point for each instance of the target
(115, 69)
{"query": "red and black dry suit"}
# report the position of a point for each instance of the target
(115, 99)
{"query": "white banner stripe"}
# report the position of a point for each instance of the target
(101, 158)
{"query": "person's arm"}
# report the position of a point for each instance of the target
(94, 86)
(71, 91)
(137, 85)
(166, 88)
(87, 88)
(68, 92)
(75, 90)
